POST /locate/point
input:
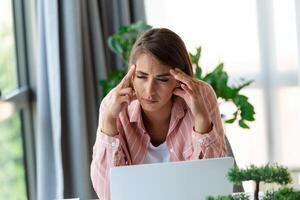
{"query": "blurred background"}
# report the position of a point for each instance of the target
(53, 54)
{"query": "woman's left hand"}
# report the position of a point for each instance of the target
(190, 90)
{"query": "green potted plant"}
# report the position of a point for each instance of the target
(121, 43)
(241, 196)
(268, 174)
(283, 194)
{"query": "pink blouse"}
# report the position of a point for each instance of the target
(129, 147)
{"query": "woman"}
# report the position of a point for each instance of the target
(158, 112)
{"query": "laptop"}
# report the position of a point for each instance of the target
(191, 180)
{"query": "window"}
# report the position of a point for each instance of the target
(255, 40)
(12, 178)
(8, 81)
(17, 161)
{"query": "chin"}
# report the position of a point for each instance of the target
(150, 108)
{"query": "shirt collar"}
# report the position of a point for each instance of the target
(135, 112)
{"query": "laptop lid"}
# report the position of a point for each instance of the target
(193, 180)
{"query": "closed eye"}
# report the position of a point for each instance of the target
(163, 80)
(142, 77)
(159, 79)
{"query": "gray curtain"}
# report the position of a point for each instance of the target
(72, 57)
(48, 134)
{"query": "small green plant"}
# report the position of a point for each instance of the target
(122, 42)
(283, 194)
(239, 196)
(268, 174)
(218, 79)
(113, 79)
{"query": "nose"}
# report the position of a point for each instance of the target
(150, 89)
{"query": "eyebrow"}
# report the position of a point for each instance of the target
(160, 75)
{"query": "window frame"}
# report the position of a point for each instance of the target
(24, 24)
(22, 99)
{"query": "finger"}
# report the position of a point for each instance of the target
(126, 91)
(127, 78)
(182, 77)
(186, 89)
(179, 92)
(124, 99)
(191, 81)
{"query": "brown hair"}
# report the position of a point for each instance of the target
(166, 46)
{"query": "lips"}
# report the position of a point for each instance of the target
(149, 101)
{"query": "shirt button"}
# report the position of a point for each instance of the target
(172, 150)
(200, 141)
(113, 144)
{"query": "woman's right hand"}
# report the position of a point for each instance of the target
(120, 98)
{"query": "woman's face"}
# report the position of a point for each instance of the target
(153, 83)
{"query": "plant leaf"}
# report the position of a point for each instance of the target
(243, 124)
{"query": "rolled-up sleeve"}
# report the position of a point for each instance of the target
(212, 143)
(107, 153)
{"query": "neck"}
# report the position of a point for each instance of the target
(158, 117)
(157, 123)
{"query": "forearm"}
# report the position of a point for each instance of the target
(202, 124)
(109, 126)
(107, 153)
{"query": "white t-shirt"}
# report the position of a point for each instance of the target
(157, 154)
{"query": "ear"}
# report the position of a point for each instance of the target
(178, 84)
